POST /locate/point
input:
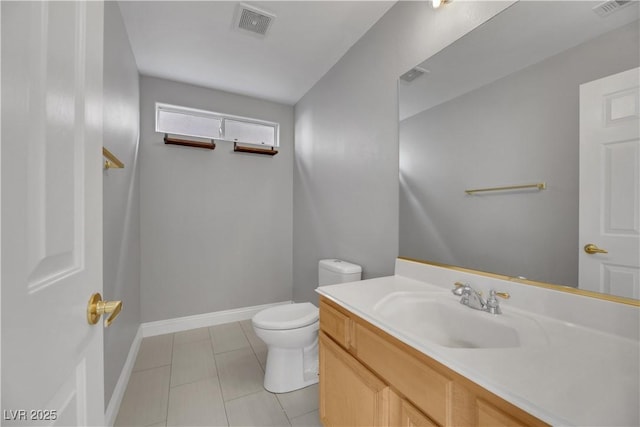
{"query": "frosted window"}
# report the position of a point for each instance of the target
(250, 133)
(188, 123)
(176, 120)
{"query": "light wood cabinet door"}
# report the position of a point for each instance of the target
(350, 395)
(410, 416)
(427, 388)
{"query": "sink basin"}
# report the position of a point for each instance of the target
(438, 318)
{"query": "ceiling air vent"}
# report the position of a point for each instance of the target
(254, 20)
(413, 74)
(608, 7)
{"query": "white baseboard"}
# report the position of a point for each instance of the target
(168, 326)
(160, 327)
(118, 392)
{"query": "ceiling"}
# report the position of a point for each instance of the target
(195, 42)
(525, 33)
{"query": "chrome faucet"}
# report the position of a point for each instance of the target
(472, 298)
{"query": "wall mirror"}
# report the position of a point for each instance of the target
(500, 107)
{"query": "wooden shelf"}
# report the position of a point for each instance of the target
(189, 143)
(254, 150)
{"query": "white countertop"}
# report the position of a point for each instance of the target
(579, 376)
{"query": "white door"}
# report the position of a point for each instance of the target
(51, 195)
(610, 184)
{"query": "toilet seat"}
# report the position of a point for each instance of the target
(288, 316)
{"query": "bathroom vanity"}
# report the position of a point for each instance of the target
(402, 350)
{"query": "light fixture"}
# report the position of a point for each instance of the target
(437, 3)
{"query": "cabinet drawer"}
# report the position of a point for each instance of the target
(335, 324)
(427, 389)
(489, 416)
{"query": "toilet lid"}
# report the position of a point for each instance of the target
(287, 316)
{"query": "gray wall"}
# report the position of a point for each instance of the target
(216, 226)
(121, 274)
(522, 128)
(346, 131)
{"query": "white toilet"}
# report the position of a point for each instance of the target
(291, 333)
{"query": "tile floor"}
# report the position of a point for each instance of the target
(210, 377)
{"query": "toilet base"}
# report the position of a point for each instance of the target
(290, 369)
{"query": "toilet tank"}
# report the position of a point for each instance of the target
(332, 271)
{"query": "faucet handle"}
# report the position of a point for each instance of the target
(459, 288)
(493, 306)
(504, 295)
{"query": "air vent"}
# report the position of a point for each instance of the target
(255, 20)
(413, 74)
(608, 7)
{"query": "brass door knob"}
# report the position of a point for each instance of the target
(593, 249)
(96, 308)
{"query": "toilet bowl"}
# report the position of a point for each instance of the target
(290, 332)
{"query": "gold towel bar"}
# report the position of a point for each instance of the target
(112, 161)
(539, 186)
